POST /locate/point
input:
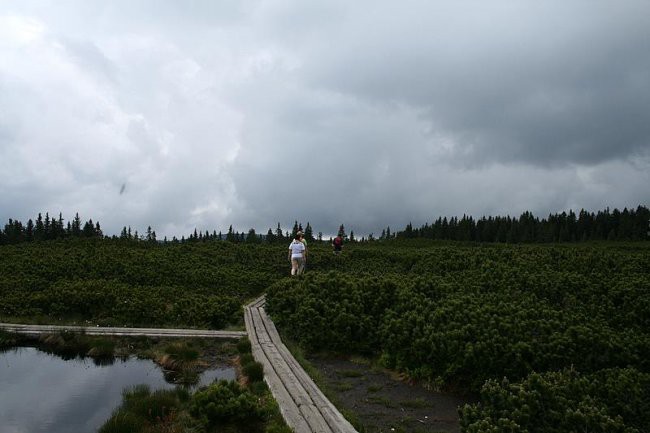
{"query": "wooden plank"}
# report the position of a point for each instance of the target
(288, 408)
(258, 302)
(288, 373)
(332, 416)
(306, 401)
(305, 405)
(92, 330)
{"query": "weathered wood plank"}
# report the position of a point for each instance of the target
(288, 407)
(306, 408)
(316, 411)
(276, 373)
(332, 416)
(94, 330)
(286, 374)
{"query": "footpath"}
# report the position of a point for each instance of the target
(304, 407)
(122, 332)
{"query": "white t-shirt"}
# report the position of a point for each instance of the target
(297, 248)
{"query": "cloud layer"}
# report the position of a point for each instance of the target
(208, 114)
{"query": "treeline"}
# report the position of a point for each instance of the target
(47, 228)
(626, 225)
(43, 229)
(272, 236)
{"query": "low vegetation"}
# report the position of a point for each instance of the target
(224, 406)
(464, 317)
(530, 328)
(116, 283)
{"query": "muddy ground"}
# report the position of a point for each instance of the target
(382, 401)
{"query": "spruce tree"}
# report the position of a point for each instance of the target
(47, 226)
(278, 234)
(76, 226)
(251, 237)
(230, 236)
(39, 229)
(60, 229)
(88, 229)
(270, 237)
(309, 234)
(29, 231)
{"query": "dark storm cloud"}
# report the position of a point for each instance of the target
(511, 81)
(252, 113)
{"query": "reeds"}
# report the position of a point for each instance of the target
(145, 411)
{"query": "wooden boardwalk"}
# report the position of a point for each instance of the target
(303, 405)
(135, 332)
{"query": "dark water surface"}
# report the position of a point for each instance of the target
(42, 393)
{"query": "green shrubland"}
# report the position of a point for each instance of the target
(465, 317)
(116, 283)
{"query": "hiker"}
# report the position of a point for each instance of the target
(304, 259)
(296, 255)
(337, 243)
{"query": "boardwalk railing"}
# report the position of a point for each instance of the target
(304, 407)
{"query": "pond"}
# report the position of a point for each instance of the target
(40, 392)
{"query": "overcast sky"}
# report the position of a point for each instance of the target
(184, 114)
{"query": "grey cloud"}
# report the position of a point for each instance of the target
(541, 84)
(365, 113)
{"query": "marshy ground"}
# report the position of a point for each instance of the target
(381, 401)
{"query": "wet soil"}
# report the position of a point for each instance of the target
(381, 401)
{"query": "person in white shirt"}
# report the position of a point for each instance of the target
(303, 265)
(296, 255)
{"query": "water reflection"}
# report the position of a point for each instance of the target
(40, 392)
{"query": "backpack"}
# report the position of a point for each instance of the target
(337, 241)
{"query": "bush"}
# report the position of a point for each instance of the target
(151, 406)
(7, 340)
(225, 402)
(102, 348)
(244, 345)
(246, 358)
(123, 422)
(254, 371)
(610, 401)
(144, 411)
(180, 355)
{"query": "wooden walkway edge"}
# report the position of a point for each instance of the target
(304, 407)
(136, 332)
